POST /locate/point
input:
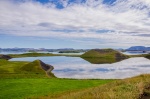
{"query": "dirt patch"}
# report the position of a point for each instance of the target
(146, 93)
(120, 57)
(7, 57)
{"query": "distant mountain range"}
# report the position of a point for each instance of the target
(138, 48)
(40, 49)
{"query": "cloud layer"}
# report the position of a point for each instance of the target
(123, 23)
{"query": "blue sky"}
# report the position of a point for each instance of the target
(74, 23)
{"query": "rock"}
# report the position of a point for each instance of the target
(7, 57)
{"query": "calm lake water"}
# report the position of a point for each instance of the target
(75, 67)
(19, 52)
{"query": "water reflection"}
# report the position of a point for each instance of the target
(74, 67)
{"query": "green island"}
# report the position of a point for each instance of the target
(70, 51)
(100, 56)
(34, 80)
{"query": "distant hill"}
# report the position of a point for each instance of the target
(138, 48)
(38, 67)
(99, 56)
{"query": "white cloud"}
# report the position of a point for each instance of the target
(127, 18)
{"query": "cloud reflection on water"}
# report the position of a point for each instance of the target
(74, 67)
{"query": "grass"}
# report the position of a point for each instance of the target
(10, 67)
(20, 69)
(21, 80)
(147, 56)
(131, 88)
(32, 67)
(99, 56)
(33, 87)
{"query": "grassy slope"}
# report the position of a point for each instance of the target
(15, 69)
(10, 67)
(132, 88)
(23, 88)
(33, 67)
(99, 56)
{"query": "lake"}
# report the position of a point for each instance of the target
(22, 52)
(75, 67)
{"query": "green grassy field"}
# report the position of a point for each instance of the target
(19, 80)
(40, 87)
(131, 88)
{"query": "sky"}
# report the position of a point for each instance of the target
(74, 23)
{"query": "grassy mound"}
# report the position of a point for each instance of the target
(38, 67)
(132, 88)
(8, 67)
(98, 56)
(33, 67)
(15, 69)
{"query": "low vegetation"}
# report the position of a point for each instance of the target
(36, 88)
(131, 88)
(99, 56)
(10, 69)
(147, 56)
(21, 80)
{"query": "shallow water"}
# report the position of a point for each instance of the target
(75, 67)
(22, 52)
(12, 52)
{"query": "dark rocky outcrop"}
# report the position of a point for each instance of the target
(47, 68)
(7, 57)
(120, 57)
(147, 56)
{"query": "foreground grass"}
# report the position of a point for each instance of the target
(19, 80)
(132, 88)
(15, 83)
(33, 87)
